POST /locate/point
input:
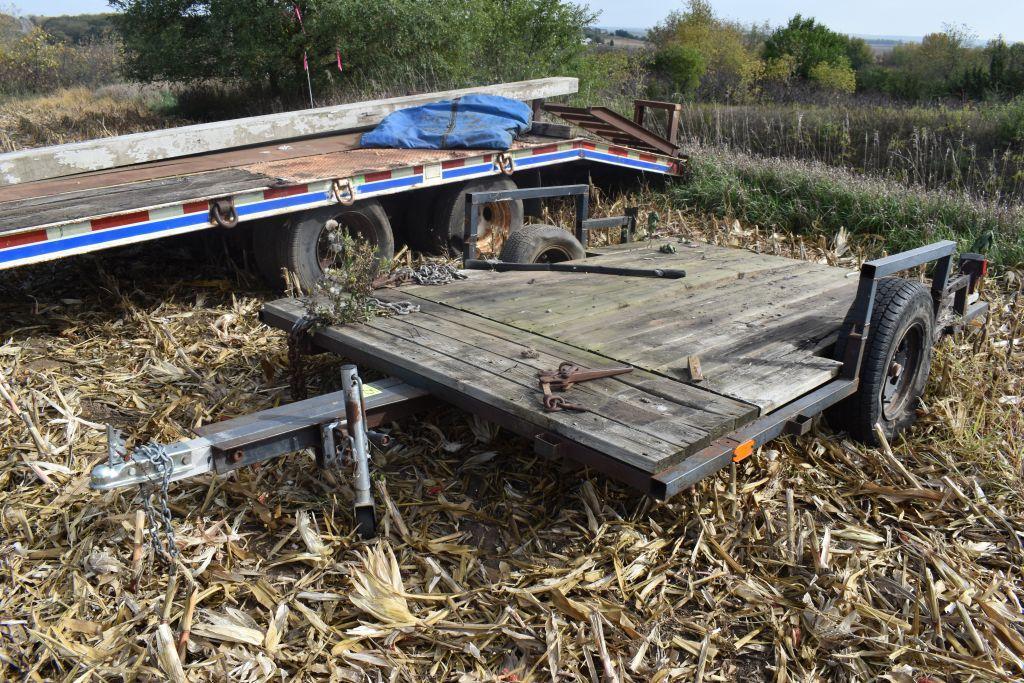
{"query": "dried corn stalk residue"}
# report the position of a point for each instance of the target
(815, 560)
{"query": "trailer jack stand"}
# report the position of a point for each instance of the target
(359, 446)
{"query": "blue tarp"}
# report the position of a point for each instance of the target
(470, 122)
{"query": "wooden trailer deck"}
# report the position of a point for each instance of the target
(759, 325)
(217, 174)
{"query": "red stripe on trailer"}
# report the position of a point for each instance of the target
(547, 149)
(488, 157)
(195, 207)
(118, 221)
(417, 170)
(589, 145)
(453, 163)
(619, 152)
(22, 238)
(278, 192)
(374, 177)
(650, 158)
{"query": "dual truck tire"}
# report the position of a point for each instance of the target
(300, 245)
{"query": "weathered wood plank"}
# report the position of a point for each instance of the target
(83, 204)
(715, 413)
(414, 362)
(643, 318)
(617, 403)
(708, 319)
(758, 326)
(682, 415)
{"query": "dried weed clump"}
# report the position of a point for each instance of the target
(815, 560)
(346, 293)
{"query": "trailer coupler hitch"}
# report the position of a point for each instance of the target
(335, 425)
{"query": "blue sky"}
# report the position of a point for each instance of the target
(988, 18)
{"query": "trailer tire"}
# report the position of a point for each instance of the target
(896, 362)
(300, 245)
(539, 243)
(498, 220)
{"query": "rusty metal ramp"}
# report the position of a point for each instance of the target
(611, 126)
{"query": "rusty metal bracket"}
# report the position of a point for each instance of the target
(563, 379)
(223, 212)
(615, 128)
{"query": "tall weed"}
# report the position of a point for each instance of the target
(811, 197)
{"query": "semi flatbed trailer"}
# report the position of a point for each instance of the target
(655, 363)
(288, 188)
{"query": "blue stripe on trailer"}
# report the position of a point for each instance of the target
(544, 158)
(282, 203)
(195, 220)
(624, 161)
(466, 170)
(382, 185)
(100, 236)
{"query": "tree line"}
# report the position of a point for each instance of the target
(271, 46)
(699, 55)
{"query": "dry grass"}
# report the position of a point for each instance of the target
(78, 114)
(815, 560)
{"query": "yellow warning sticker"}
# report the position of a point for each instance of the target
(370, 390)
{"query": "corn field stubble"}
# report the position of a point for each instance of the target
(977, 150)
(814, 560)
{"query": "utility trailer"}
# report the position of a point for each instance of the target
(286, 176)
(655, 363)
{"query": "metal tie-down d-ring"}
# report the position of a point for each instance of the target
(224, 213)
(505, 163)
(343, 192)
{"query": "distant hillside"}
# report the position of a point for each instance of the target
(80, 29)
(625, 39)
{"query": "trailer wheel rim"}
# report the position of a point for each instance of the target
(553, 255)
(356, 225)
(493, 227)
(901, 373)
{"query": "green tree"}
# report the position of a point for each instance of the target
(730, 66)
(677, 70)
(389, 42)
(80, 29)
(811, 44)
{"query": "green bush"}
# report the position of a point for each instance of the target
(677, 69)
(835, 77)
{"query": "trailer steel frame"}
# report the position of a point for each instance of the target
(256, 438)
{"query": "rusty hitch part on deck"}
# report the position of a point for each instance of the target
(564, 378)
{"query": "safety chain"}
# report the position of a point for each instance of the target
(158, 517)
(431, 273)
(395, 307)
(297, 372)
